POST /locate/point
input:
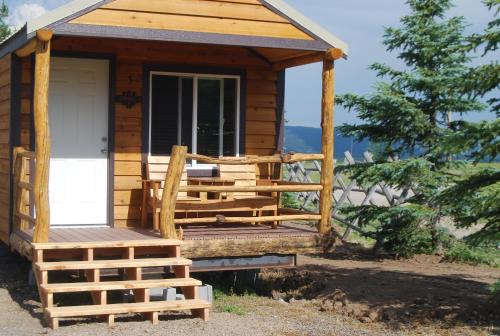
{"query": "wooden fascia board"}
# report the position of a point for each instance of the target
(99, 31)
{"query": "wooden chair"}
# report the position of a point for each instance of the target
(152, 189)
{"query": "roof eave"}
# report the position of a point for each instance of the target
(307, 24)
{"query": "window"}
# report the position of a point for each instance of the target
(197, 111)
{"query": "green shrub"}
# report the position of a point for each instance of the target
(408, 241)
(460, 251)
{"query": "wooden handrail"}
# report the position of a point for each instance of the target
(25, 217)
(261, 219)
(21, 187)
(270, 188)
(26, 154)
(287, 158)
(25, 185)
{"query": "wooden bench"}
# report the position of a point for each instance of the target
(189, 205)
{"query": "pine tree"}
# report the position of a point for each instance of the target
(475, 199)
(5, 30)
(407, 114)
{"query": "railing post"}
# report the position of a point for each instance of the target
(327, 142)
(170, 191)
(42, 137)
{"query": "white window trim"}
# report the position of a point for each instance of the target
(196, 77)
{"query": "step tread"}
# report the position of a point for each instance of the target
(108, 244)
(119, 263)
(117, 285)
(125, 308)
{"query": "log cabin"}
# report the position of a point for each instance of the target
(140, 134)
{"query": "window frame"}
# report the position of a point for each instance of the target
(196, 76)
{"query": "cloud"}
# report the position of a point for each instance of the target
(25, 12)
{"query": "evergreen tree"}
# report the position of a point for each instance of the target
(4, 28)
(475, 199)
(408, 115)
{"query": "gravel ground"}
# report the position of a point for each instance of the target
(20, 314)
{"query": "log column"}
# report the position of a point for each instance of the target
(42, 137)
(170, 191)
(327, 139)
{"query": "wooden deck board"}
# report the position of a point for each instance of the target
(236, 240)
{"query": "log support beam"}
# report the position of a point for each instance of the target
(331, 55)
(42, 137)
(170, 191)
(327, 141)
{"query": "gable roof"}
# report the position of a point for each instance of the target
(320, 38)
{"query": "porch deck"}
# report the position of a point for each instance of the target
(213, 241)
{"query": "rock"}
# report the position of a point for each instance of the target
(338, 306)
(327, 306)
(283, 302)
(276, 295)
(375, 315)
(390, 315)
(292, 300)
(365, 319)
(356, 311)
(419, 301)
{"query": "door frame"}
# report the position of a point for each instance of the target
(111, 58)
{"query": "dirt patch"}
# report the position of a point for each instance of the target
(421, 290)
(325, 295)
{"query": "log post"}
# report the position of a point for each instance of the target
(170, 191)
(42, 138)
(327, 140)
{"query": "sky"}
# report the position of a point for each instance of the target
(360, 23)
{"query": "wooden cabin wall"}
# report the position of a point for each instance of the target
(130, 57)
(26, 99)
(5, 156)
(249, 17)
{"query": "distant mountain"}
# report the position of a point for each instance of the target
(308, 140)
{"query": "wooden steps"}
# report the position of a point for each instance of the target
(126, 308)
(101, 264)
(91, 258)
(118, 285)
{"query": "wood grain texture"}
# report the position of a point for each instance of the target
(130, 57)
(223, 17)
(42, 140)
(170, 191)
(5, 105)
(327, 142)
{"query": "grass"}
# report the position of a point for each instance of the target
(459, 251)
(227, 302)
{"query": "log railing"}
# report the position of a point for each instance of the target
(22, 219)
(172, 188)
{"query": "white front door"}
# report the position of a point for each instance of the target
(78, 109)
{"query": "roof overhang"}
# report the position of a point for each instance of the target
(57, 20)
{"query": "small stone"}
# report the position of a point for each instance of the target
(375, 315)
(283, 302)
(390, 315)
(327, 306)
(365, 319)
(338, 305)
(292, 300)
(356, 311)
